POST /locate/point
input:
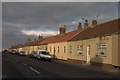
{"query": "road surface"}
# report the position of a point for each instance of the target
(15, 66)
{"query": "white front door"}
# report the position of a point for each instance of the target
(88, 54)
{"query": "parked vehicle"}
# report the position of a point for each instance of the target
(17, 53)
(5, 50)
(33, 54)
(12, 51)
(22, 53)
(43, 55)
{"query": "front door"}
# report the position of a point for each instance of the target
(54, 53)
(88, 54)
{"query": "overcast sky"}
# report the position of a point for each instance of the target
(23, 20)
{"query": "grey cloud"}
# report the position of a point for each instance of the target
(47, 16)
(0, 26)
(60, 1)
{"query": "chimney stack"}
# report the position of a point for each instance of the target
(79, 26)
(94, 23)
(86, 24)
(62, 30)
(40, 37)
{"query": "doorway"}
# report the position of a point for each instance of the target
(54, 53)
(88, 54)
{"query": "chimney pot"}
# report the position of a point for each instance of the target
(40, 37)
(94, 23)
(79, 25)
(86, 24)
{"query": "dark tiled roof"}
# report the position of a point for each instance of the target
(107, 28)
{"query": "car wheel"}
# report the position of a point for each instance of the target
(49, 60)
(115, 66)
(38, 57)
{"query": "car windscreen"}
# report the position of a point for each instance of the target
(13, 50)
(22, 51)
(45, 53)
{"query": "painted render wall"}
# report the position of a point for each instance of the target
(20, 49)
(29, 49)
(111, 56)
(35, 48)
(59, 53)
(26, 49)
(116, 50)
(93, 50)
(42, 47)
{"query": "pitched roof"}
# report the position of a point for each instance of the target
(99, 30)
(16, 46)
(32, 43)
(60, 38)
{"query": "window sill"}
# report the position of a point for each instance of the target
(80, 55)
(101, 56)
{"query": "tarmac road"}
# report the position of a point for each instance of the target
(15, 66)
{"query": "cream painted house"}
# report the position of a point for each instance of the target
(98, 43)
(59, 50)
(115, 49)
(18, 47)
(58, 45)
(31, 46)
(95, 44)
(42, 47)
(28, 47)
(88, 50)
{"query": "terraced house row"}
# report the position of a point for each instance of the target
(97, 43)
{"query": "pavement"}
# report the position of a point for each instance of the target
(103, 68)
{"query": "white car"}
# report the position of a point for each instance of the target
(22, 53)
(43, 55)
(33, 54)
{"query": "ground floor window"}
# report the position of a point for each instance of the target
(79, 49)
(101, 49)
(45, 48)
(70, 49)
(64, 49)
(58, 49)
(54, 53)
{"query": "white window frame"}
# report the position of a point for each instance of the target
(101, 49)
(64, 49)
(79, 49)
(70, 49)
(58, 49)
